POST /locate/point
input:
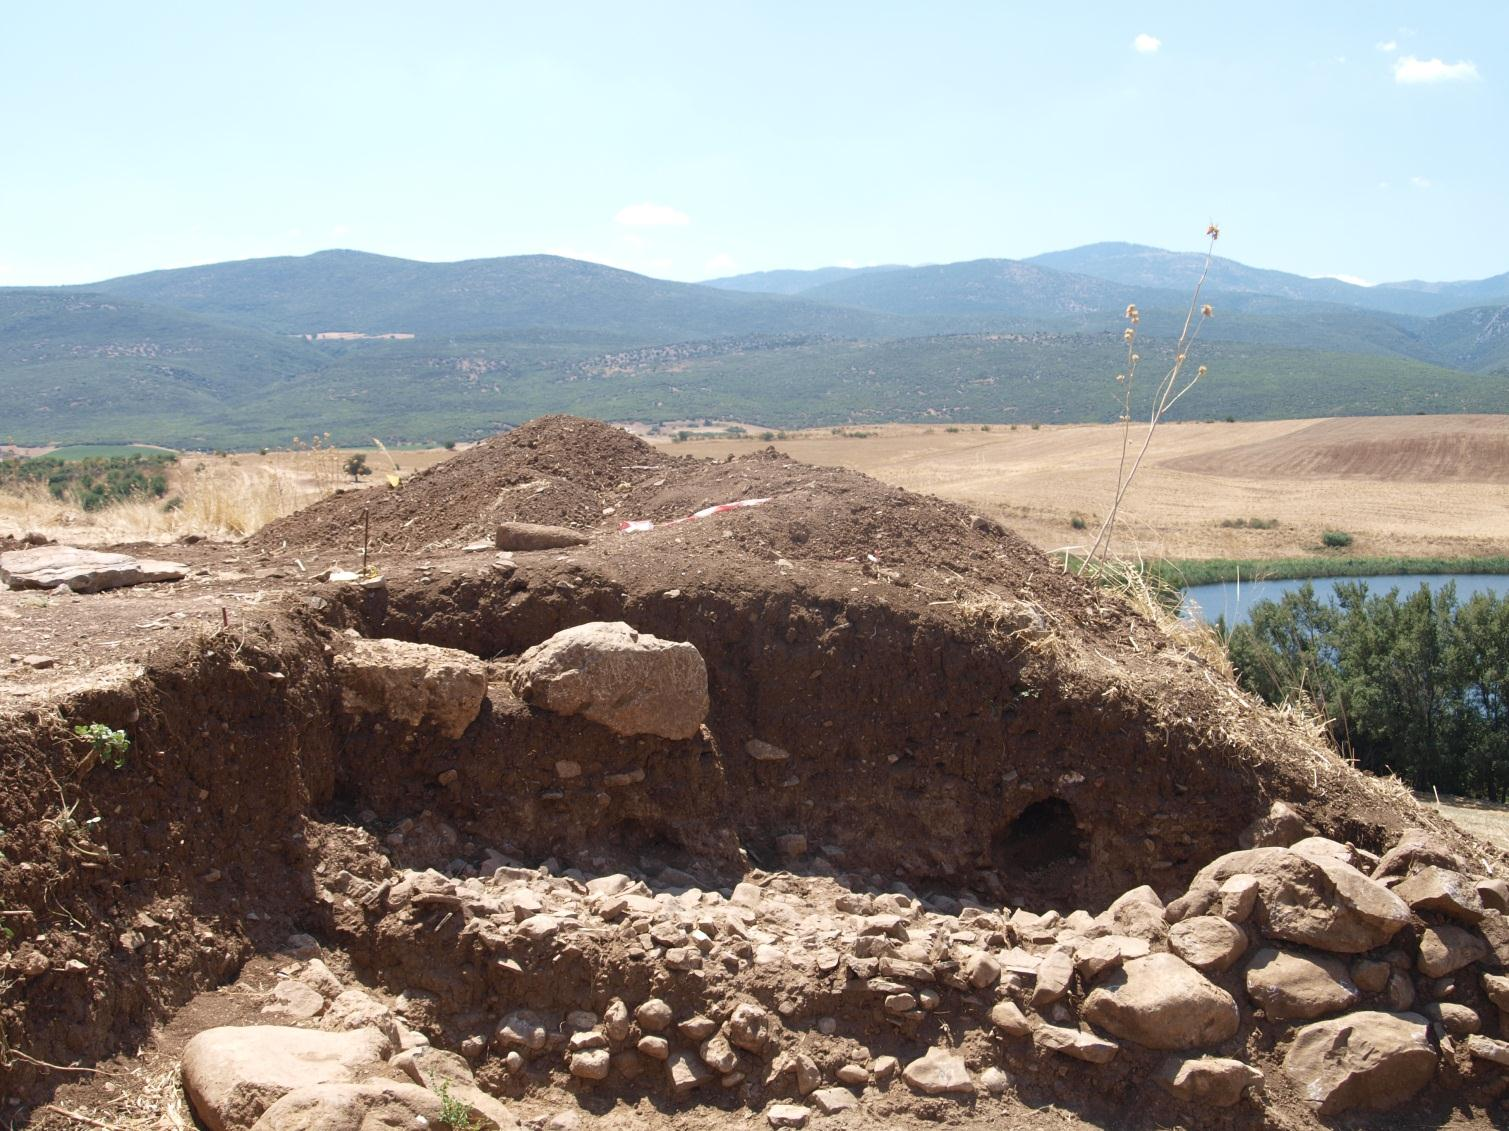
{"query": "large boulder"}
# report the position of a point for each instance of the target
(233, 1074)
(1369, 1060)
(1311, 900)
(1162, 1002)
(412, 683)
(630, 682)
(83, 571)
(1297, 987)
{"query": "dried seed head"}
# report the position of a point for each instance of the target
(1213, 232)
(1128, 334)
(1200, 372)
(1206, 311)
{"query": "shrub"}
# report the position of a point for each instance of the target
(1336, 539)
(106, 743)
(1078, 522)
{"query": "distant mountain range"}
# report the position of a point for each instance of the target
(228, 355)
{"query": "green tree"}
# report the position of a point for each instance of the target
(356, 466)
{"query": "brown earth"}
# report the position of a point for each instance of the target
(963, 719)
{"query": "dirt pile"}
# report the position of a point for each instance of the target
(935, 777)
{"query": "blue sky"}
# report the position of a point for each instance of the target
(689, 140)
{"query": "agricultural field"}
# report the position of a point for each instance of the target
(1415, 486)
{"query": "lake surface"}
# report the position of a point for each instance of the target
(1233, 599)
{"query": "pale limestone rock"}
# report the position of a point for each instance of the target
(412, 683)
(605, 671)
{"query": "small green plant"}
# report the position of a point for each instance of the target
(454, 1113)
(1250, 523)
(1078, 522)
(951, 428)
(450, 445)
(1336, 539)
(106, 743)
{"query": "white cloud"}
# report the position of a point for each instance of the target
(340, 230)
(1355, 280)
(1420, 182)
(721, 264)
(652, 216)
(851, 264)
(1408, 69)
(1146, 44)
(1387, 46)
(635, 240)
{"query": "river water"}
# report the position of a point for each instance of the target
(1232, 600)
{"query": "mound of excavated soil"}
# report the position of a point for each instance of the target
(923, 738)
(556, 469)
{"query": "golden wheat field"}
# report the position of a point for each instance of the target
(1413, 485)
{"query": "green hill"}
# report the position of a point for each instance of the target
(216, 357)
(1154, 267)
(375, 294)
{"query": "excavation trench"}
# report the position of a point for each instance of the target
(897, 759)
(917, 749)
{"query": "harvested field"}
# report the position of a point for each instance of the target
(1421, 486)
(948, 846)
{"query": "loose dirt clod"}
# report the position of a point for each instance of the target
(944, 811)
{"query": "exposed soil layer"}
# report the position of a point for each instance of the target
(958, 717)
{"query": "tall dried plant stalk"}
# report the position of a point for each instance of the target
(1174, 384)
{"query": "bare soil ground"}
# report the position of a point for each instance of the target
(963, 723)
(1415, 485)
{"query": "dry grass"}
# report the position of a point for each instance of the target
(221, 497)
(1486, 820)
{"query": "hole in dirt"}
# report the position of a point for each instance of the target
(1042, 835)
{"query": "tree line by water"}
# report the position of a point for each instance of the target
(1416, 684)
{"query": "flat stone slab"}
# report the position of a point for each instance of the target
(83, 571)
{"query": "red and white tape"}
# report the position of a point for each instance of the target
(635, 525)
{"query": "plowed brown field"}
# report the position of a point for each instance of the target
(1411, 485)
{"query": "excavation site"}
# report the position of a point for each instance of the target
(578, 783)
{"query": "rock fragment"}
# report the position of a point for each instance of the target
(533, 536)
(82, 571)
(938, 1073)
(1216, 1081)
